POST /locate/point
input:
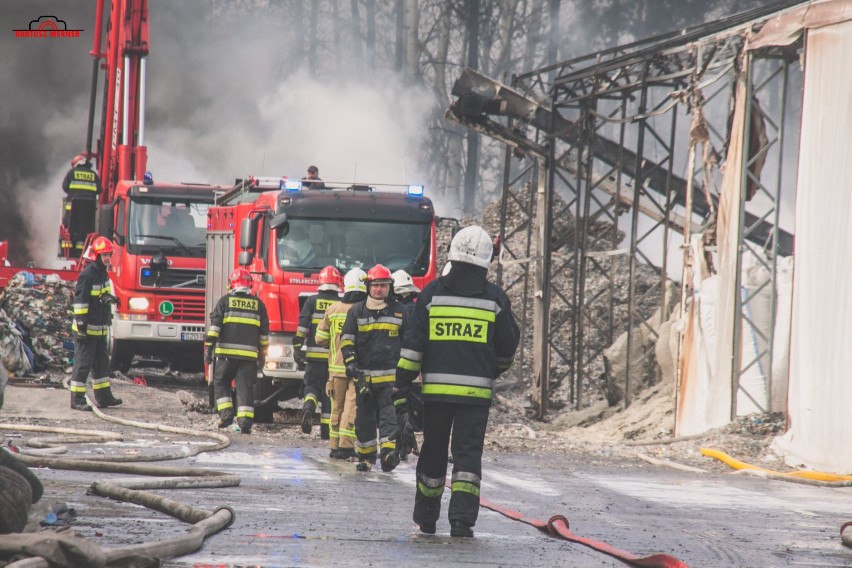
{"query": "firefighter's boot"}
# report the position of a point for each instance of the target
(106, 398)
(78, 402)
(324, 432)
(363, 466)
(226, 417)
(245, 425)
(389, 459)
(347, 454)
(308, 416)
(461, 528)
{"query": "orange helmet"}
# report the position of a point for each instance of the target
(240, 277)
(329, 279)
(379, 272)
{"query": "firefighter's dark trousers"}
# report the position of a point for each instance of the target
(243, 372)
(90, 356)
(80, 220)
(377, 411)
(316, 376)
(466, 423)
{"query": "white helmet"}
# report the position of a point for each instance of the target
(403, 284)
(473, 246)
(354, 281)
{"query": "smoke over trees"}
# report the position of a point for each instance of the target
(265, 87)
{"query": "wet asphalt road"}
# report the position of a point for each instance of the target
(296, 507)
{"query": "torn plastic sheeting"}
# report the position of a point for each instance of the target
(786, 28)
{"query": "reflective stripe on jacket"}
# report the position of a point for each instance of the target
(89, 311)
(328, 334)
(459, 343)
(311, 315)
(372, 339)
(239, 326)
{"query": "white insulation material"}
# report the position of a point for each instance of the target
(820, 392)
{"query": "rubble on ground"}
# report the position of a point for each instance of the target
(35, 323)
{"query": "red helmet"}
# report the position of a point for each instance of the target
(240, 277)
(379, 272)
(329, 278)
(102, 245)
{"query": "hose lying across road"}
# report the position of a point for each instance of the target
(205, 523)
(817, 478)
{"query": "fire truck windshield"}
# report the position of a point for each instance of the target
(312, 244)
(175, 226)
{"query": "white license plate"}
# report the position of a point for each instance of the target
(192, 336)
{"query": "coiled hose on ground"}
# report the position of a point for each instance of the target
(75, 551)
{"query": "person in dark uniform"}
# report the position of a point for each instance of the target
(315, 357)
(461, 336)
(312, 180)
(82, 187)
(370, 341)
(237, 340)
(93, 301)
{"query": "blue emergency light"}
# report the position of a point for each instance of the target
(415, 190)
(146, 272)
(291, 185)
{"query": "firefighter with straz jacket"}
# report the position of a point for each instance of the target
(315, 357)
(461, 337)
(340, 388)
(370, 341)
(82, 187)
(93, 301)
(237, 340)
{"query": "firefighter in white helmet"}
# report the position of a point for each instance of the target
(461, 337)
(340, 388)
(237, 340)
(315, 357)
(404, 289)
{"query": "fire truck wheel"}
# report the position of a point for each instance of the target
(15, 501)
(120, 355)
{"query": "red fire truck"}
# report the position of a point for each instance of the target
(158, 229)
(285, 235)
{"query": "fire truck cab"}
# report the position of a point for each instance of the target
(285, 235)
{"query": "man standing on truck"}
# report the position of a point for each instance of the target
(93, 301)
(82, 187)
(315, 357)
(237, 340)
(370, 341)
(339, 387)
(461, 337)
(312, 180)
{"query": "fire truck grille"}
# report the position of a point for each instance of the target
(186, 279)
(188, 309)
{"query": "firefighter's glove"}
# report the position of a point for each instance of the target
(406, 441)
(81, 332)
(299, 356)
(110, 300)
(329, 387)
(362, 386)
(208, 355)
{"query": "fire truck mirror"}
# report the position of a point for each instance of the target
(245, 258)
(280, 220)
(248, 233)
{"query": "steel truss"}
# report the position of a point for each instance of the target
(639, 128)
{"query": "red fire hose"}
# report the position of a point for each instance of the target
(557, 526)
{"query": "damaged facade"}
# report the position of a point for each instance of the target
(694, 154)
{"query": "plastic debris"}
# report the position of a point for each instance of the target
(35, 323)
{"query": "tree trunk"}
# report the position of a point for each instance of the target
(312, 45)
(335, 15)
(356, 32)
(533, 34)
(412, 43)
(399, 44)
(371, 35)
(472, 170)
(507, 20)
